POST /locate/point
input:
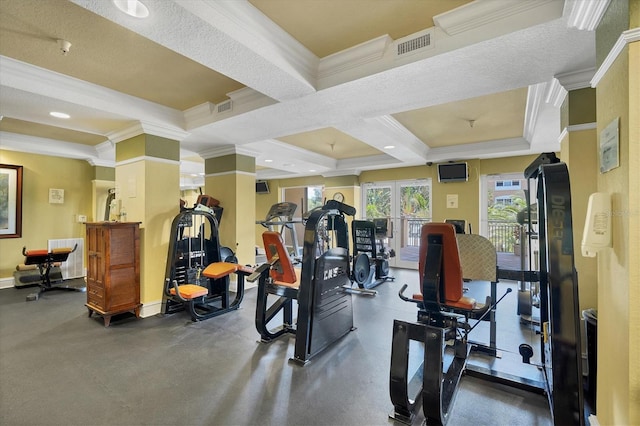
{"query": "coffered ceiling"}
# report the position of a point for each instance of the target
(307, 87)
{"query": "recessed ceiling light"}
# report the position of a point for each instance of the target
(312, 170)
(59, 114)
(389, 147)
(268, 161)
(132, 8)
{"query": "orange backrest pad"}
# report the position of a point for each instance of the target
(283, 270)
(452, 270)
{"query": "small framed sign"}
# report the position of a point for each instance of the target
(610, 147)
(56, 196)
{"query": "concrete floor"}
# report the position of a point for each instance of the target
(59, 367)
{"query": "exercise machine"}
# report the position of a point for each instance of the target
(370, 258)
(46, 261)
(280, 219)
(444, 315)
(320, 287)
(560, 337)
(197, 277)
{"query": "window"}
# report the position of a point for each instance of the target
(505, 200)
(507, 185)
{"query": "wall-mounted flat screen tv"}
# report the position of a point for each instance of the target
(453, 172)
(262, 187)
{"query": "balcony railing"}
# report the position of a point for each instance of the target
(411, 228)
(505, 236)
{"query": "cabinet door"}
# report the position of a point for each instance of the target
(124, 264)
(95, 267)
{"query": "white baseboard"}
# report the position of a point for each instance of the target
(150, 309)
(7, 283)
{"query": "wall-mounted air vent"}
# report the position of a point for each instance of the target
(414, 43)
(225, 106)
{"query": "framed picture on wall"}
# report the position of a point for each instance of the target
(10, 201)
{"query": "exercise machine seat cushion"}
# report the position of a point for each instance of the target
(218, 270)
(190, 291)
(61, 250)
(34, 253)
(282, 272)
(451, 268)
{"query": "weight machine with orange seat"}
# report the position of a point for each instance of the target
(198, 272)
(321, 288)
(443, 314)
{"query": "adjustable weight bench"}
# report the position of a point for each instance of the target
(443, 315)
(45, 260)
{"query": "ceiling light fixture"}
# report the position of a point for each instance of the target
(59, 114)
(389, 147)
(268, 161)
(133, 8)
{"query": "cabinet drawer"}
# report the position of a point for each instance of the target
(95, 296)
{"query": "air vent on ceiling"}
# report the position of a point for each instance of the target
(414, 43)
(224, 106)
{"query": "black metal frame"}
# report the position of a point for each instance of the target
(45, 263)
(433, 329)
(369, 268)
(325, 312)
(560, 337)
(179, 269)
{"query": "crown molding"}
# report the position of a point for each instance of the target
(625, 38)
(102, 163)
(221, 151)
(337, 173)
(356, 56)
(45, 146)
(245, 23)
(479, 13)
(535, 96)
(577, 79)
(555, 93)
(142, 127)
(585, 14)
(515, 146)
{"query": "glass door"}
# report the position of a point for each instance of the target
(406, 206)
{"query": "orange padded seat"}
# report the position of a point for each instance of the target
(190, 291)
(451, 268)
(62, 250)
(220, 269)
(37, 252)
(283, 273)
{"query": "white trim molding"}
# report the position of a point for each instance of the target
(585, 14)
(625, 38)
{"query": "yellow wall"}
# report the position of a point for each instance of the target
(618, 296)
(42, 221)
(579, 151)
(236, 192)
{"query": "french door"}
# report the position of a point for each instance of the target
(406, 206)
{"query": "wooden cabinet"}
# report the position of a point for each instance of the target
(113, 270)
